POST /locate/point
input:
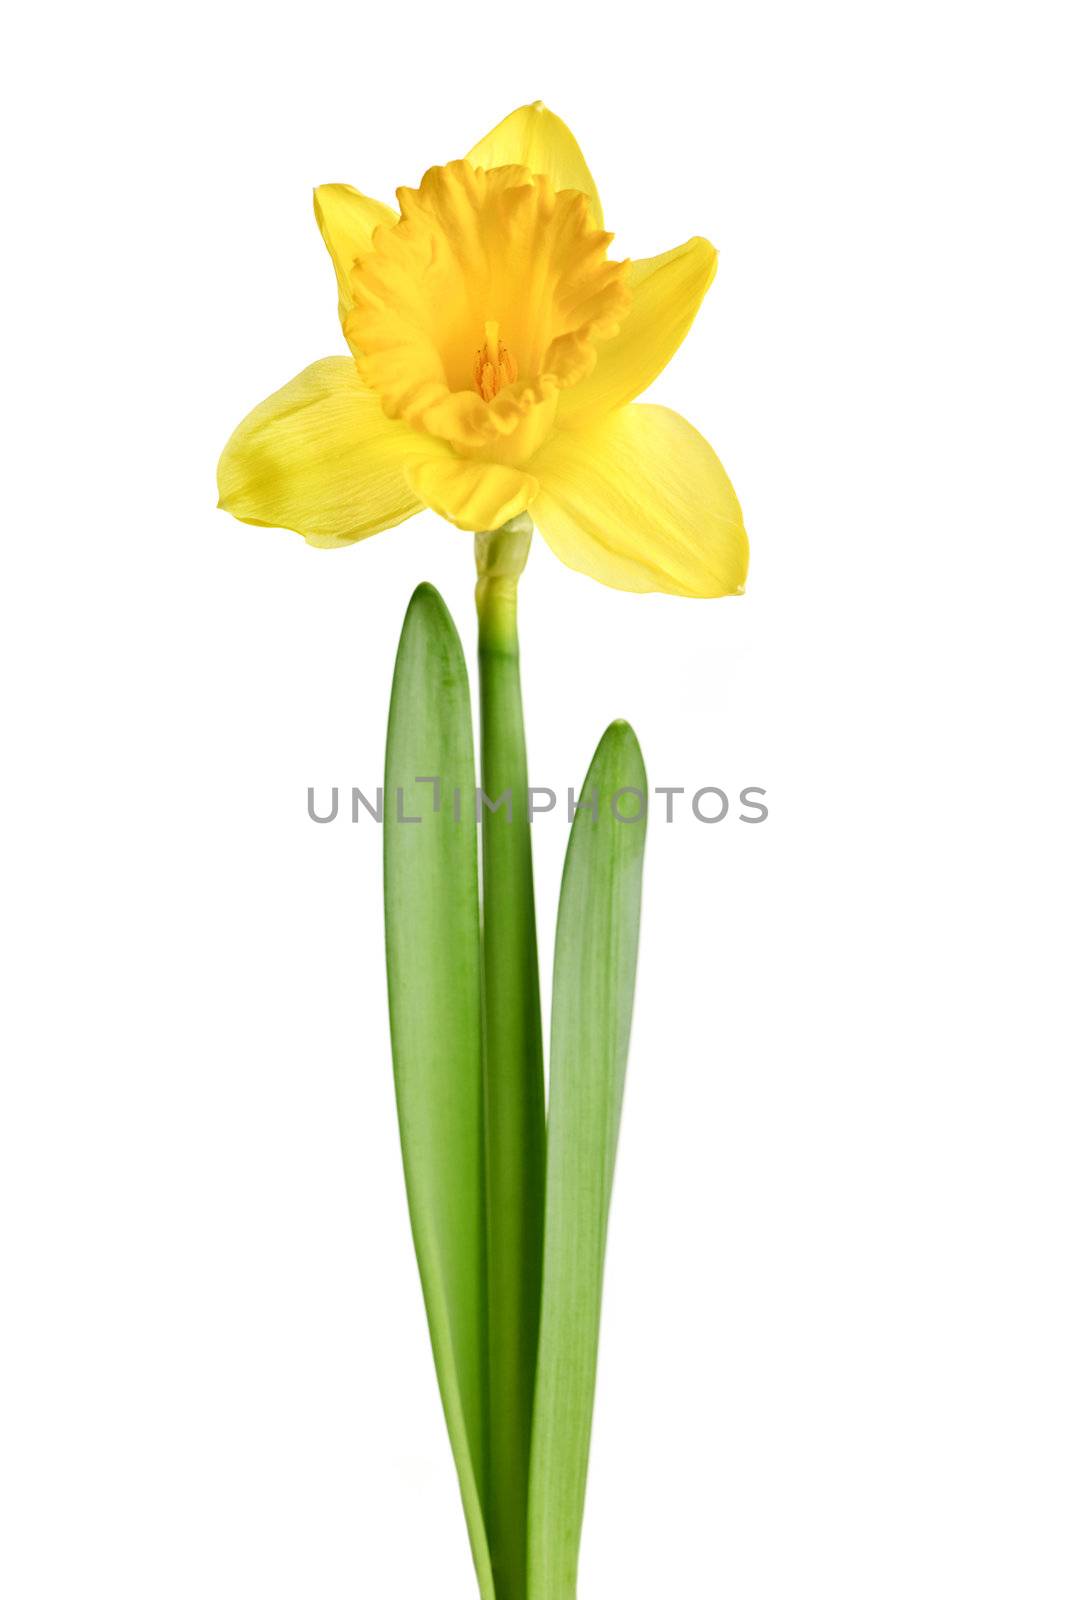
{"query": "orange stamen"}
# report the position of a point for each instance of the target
(494, 367)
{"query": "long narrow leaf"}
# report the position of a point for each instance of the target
(592, 1000)
(433, 962)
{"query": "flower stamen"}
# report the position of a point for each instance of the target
(494, 367)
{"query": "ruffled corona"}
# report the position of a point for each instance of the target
(484, 300)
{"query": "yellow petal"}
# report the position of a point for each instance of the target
(347, 220)
(535, 137)
(640, 501)
(667, 291)
(320, 457)
(476, 495)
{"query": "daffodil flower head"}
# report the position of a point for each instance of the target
(496, 350)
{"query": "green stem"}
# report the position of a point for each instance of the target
(514, 1071)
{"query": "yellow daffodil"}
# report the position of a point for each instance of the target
(495, 353)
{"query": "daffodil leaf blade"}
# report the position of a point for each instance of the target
(433, 964)
(592, 1003)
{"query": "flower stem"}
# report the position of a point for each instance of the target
(514, 1071)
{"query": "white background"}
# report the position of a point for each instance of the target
(835, 1323)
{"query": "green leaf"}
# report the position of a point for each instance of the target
(433, 964)
(592, 1000)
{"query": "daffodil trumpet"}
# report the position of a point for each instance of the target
(495, 354)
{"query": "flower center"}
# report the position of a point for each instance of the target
(468, 241)
(494, 367)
